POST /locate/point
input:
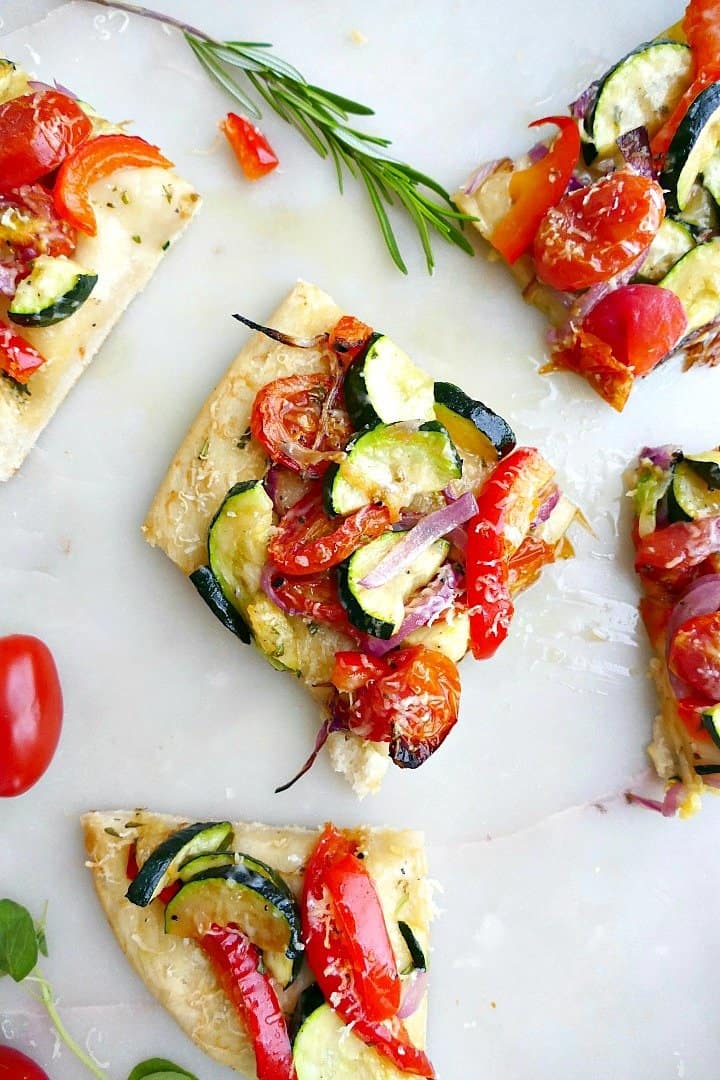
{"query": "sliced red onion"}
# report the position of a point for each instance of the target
(266, 584)
(35, 84)
(574, 184)
(426, 532)
(413, 992)
(582, 105)
(8, 280)
(669, 805)
(662, 456)
(538, 152)
(481, 174)
(328, 725)
(459, 538)
(546, 508)
(422, 610)
(284, 339)
(702, 598)
(634, 146)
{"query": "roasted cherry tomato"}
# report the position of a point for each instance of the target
(314, 597)
(290, 419)
(348, 338)
(18, 358)
(535, 189)
(671, 554)
(526, 563)
(252, 150)
(29, 227)
(37, 132)
(506, 505)
(17, 1066)
(308, 541)
(94, 160)
(690, 711)
(596, 232)
(238, 967)
(640, 323)
(702, 30)
(409, 700)
(592, 358)
(694, 655)
(31, 711)
(349, 953)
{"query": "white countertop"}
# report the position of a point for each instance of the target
(575, 938)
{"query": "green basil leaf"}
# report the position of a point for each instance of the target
(18, 943)
(159, 1069)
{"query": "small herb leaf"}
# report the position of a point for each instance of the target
(18, 941)
(159, 1069)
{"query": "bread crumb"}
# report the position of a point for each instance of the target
(358, 38)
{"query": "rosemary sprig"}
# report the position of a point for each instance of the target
(323, 118)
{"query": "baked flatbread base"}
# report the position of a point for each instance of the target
(176, 970)
(216, 454)
(139, 212)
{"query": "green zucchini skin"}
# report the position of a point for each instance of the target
(695, 280)
(429, 447)
(160, 867)
(490, 424)
(711, 723)
(383, 386)
(209, 588)
(414, 948)
(626, 85)
(310, 1000)
(693, 144)
(252, 875)
(54, 291)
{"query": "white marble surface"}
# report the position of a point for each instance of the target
(572, 942)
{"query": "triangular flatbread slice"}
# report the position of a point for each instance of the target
(176, 970)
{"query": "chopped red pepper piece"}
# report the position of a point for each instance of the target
(254, 153)
(348, 950)
(702, 30)
(535, 189)
(490, 605)
(348, 337)
(93, 161)
(18, 358)
(236, 963)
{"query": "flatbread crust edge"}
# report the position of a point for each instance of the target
(177, 972)
(216, 453)
(131, 240)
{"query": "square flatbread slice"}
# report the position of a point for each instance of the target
(177, 971)
(216, 454)
(139, 213)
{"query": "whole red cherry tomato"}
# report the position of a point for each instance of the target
(31, 711)
(17, 1066)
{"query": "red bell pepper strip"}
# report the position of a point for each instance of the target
(18, 358)
(490, 604)
(94, 160)
(702, 30)
(236, 963)
(535, 189)
(348, 950)
(252, 150)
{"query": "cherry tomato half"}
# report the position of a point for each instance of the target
(596, 232)
(37, 132)
(694, 654)
(17, 1066)
(18, 358)
(412, 705)
(252, 150)
(640, 323)
(31, 711)
(286, 418)
(670, 555)
(308, 541)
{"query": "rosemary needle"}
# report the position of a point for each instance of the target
(324, 119)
